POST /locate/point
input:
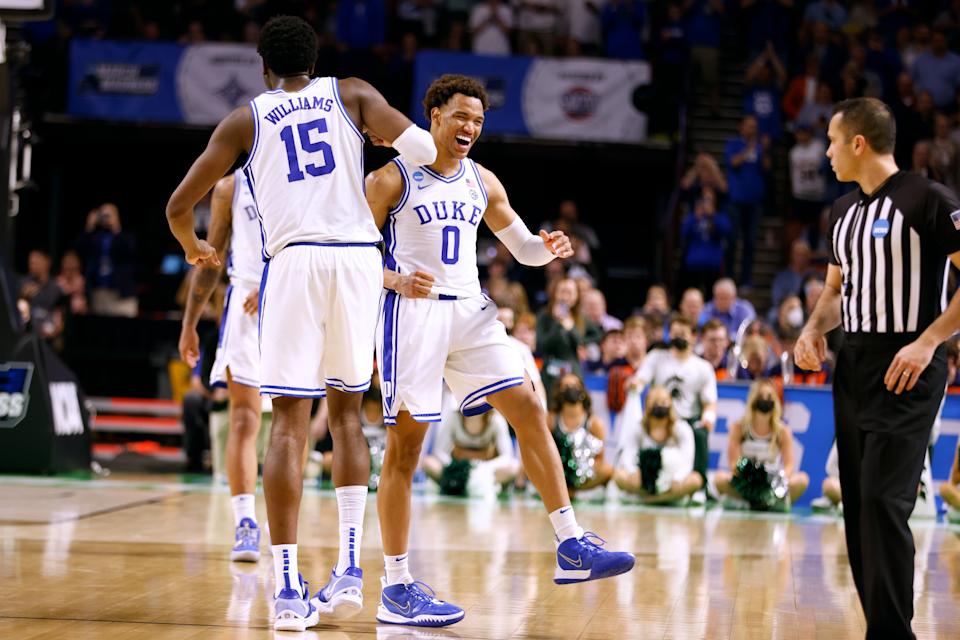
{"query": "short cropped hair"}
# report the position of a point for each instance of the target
(870, 118)
(288, 45)
(447, 86)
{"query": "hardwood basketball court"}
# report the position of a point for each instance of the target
(137, 558)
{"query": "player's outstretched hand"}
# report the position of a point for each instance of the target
(558, 243)
(907, 366)
(416, 285)
(251, 304)
(189, 346)
(810, 351)
(202, 254)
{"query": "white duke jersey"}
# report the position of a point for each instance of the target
(434, 227)
(244, 261)
(306, 169)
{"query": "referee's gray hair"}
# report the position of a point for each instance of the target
(870, 118)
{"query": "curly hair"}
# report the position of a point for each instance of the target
(288, 45)
(447, 86)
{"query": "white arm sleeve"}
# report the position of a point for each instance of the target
(416, 145)
(527, 248)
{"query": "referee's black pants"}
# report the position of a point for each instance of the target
(881, 442)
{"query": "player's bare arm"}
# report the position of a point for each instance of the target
(232, 137)
(206, 274)
(811, 348)
(384, 188)
(912, 360)
(372, 113)
(527, 248)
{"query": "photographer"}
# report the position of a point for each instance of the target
(109, 255)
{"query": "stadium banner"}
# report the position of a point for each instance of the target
(582, 99)
(161, 82)
(808, 410)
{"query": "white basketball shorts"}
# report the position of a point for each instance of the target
(318, 315)
(238, 347)
(422, 342)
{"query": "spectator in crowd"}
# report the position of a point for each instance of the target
(691, 305)
(657, 303)
(765, 78)
(863, 16)
(757, 360)
(822, 45)
(884, 62)
(789, 281)
(704, 29)
(491, 24)
(704, 233)
(109, 255)
(623, 23)
(568, 213)
(938, 71)
(922, 162)
(573, 419)
(523, 334)
(704, 175)
(72, 283)
(537, 22)
(613, 352)
(808, 183)
(44, 295)
(595, 309)
(766, 21)
(583, 27)
(419, 17)
(659, 429)
(562, 330)
(727, 307)
(815, 115)
(635, 341)
(691, 382)
(912, 44)
(945, 152)
(763, 437)
(926, 113)
(903, 106)
(715, 347)
(802, 89)
(830, 12)
(670, 69)
(484, 440)
(747, 161)
(789, 317)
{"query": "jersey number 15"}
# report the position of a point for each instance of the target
(309, 146)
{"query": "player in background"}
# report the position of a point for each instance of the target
(234, 224)
(321, 283)
(436, 325)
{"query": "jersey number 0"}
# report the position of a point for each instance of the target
(309, 146)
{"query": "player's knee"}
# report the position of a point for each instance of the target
(402, 455)
(245, 422)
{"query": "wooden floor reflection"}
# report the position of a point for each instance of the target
(132, 560)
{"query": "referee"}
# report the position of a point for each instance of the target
(892, 241)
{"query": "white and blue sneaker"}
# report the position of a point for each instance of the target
(246, 545)
(584, 559)
(342, 597)
(293, 612)
(411, 604)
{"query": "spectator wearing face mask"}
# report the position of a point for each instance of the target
(660, 434)
(580, 436)
(692, 385)
(762, 437)
(635, 341)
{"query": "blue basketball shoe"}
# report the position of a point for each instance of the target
(411, 604)
(293, 612)
(584, 559)
(342, 597)
(246, 545)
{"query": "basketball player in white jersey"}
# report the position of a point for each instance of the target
(234, 223)
(436, 325)
(321, 283)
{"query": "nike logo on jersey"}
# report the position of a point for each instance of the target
(421, 187)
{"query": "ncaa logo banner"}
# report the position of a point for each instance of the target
(161, 82)
(15, 380)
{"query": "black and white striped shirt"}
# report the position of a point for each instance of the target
(893, 248)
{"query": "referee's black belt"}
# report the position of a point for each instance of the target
(866, 339)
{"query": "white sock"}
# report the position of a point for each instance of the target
(397, 569)
(351, 503)
(285, 568)
(565, 525)
(244, 506)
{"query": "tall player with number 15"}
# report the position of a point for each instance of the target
(321, 282)
(436, 325)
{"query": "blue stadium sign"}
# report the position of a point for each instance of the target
(14, 392)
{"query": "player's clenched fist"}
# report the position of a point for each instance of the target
(416, 285)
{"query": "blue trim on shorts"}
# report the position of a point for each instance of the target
(340, 385)
(477, 410)
(332, 244)
(447, 296)
(294, 392)
(260, 305)
(489, 390)
(223, 316)
(390, 311)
